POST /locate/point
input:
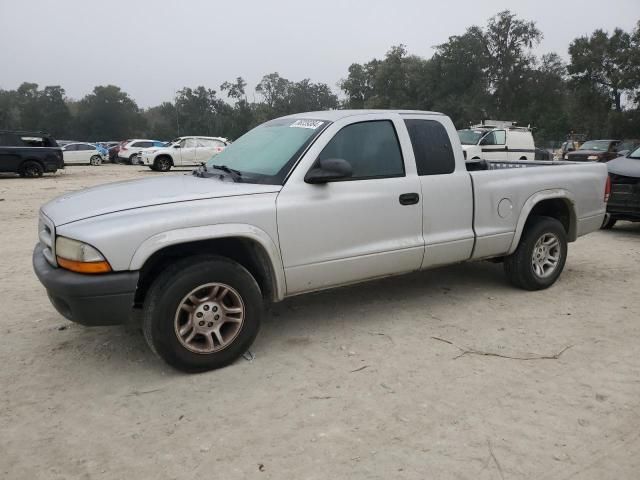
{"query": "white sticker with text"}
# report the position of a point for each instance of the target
(312, 124)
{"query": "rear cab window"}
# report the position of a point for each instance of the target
(431, 147)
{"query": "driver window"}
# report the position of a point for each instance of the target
(370, 147)
(497, 137)
(188, 143)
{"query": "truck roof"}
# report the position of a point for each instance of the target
(334, 115)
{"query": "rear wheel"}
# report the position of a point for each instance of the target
(540, 257)
(31, 169)
(95, 160)
(132, 159)
(609, 223)
(162, 164)
(202, 313)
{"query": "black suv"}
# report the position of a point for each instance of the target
(30, 154)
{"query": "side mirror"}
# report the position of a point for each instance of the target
(329, 170)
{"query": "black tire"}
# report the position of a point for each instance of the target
(162, 164)
(519, 265)
(31, 169)
(95, 160)
(609, 223)
(167, 294)
(132, 159)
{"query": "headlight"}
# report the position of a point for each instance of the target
(80, 257)
(592, 157)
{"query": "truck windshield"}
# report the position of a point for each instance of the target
(596, 145)
(266, 153)
(470, 137)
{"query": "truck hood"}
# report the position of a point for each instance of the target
(115, 197)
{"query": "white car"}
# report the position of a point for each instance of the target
(303, 203)
(81, 154)
(130, 150)
(182, 152)
(497, 141)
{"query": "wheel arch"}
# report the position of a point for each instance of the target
(556, 203)
(31, 159)
(248, 245)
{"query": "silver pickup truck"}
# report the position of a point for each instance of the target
(303, 203)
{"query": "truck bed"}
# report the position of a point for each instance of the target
(503, 193)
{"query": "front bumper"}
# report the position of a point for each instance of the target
(90, 300)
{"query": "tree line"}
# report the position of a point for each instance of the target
(487, 72)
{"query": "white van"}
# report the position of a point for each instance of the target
(498, 141)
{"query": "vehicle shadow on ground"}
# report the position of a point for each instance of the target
(628, 228)
(123, 348)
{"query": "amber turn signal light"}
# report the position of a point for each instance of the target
(84, 267)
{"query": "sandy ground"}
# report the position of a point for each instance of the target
(344, 384)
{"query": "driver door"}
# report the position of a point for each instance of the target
(188, 151)
(349, 230)
(494, 146)
(71, 154)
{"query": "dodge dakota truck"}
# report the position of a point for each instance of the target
(303, 203)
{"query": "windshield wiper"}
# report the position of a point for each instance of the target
(235, 174)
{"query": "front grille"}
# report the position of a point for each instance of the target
(578, 158)
(625, 195)
(47, 235)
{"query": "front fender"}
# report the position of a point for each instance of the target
(208, 232)
(532, 201)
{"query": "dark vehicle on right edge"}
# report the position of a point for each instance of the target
(595, 151)
(29, 154)
(624, 200)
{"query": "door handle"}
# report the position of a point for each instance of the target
(409, 198)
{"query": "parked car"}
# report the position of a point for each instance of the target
(183, 151)
(137, 160)
(82, 153)
(497, 140)
(595, 151)
(104, 152)
(627, 146)
(113, 151)
(128, 151)
(543, 154)
(299, 204)
(29, 154)
(624, 201)
(62, 143)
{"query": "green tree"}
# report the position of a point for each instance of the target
(607, 62)
(108, 113)
(509, 41)
(197, 111)
(458, 79)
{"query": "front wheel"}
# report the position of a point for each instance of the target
(95, 160)
(540, 257)
(202, 313)
(162, 164)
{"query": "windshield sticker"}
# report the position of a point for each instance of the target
(312, 124)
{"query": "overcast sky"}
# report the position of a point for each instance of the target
(151, 48)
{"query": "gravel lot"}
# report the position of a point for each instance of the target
(344, 384)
